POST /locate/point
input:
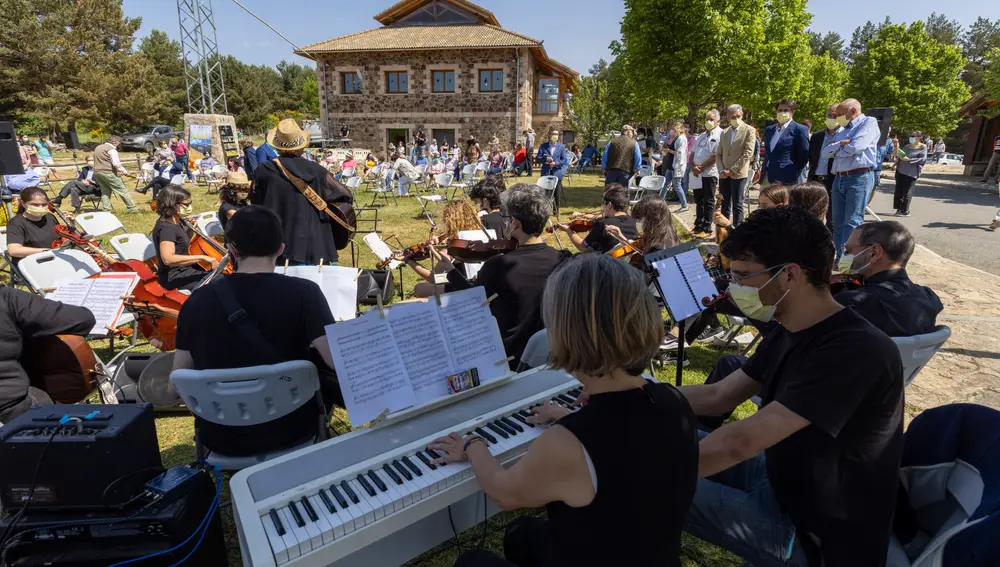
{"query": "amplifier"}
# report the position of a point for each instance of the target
(80, 452)
(99, 539)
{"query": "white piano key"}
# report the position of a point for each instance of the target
(311, 527)
(348, 515)
(278, 545)
(323, 520)
(366, 503)
(299, 535)
(395, 496)
(385, 502)
(436, 481)
(423, 481)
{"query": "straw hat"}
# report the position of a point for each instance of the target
(288, 136)
(238, 178)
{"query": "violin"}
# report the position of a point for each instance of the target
(578, 225)
(417, 252)
(204, 245)
(716, 299)
(477, 250)
(844, 282)
(68, 234)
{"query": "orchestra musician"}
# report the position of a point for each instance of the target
(290, 313)
(592, 468)
(614, 212)
(518, 277)
(655, 223)
(815, 471)
(25, 316)
(878, 253)
(456, 216)
(177, 268)
(233, 196)
(486, 194)
(33, 228)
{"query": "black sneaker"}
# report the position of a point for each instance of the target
(709, 334)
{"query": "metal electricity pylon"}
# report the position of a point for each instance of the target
(206, 90)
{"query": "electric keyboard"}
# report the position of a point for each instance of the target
(373, 497)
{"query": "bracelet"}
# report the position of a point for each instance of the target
(470, 441)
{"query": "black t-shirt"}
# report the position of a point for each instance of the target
(224, 209)
(495, 221)
(600, 241)
(518, 278)
(894, 304)
(290, 312)
(33, 234)
(164, 231)
(837, 478)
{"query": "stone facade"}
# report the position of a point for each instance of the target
(467, 111)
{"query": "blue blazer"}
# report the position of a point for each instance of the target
(558, 152)
(265, 153)
(785, 163)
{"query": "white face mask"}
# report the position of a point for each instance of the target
(638, 226)
(913, 140)
(846, 263)
(747, 299)
(843, 120)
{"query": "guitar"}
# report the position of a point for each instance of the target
(62, 366)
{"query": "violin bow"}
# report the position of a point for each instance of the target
(555, 233)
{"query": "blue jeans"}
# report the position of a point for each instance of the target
(668, 176)
(737, 511)
(850, 195)
(687, 172)
(680, 190)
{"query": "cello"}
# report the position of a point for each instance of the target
(62, 366)
(204, 245)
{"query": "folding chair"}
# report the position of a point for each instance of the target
(422, 178)
(44, 269)
(16, 279)
(480, 171)
(918, 350)
(443, 180)
(465, 180)
(548, 184)
(648, 184)
(384, 189)
(99, 223)
(133, 247)
(209, 223)
(644, 171)
(374, 176)
(570, 167)
(352, 185)
(242, 397)
(215, 178)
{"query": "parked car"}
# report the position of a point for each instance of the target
(147, 137)
(950, 159)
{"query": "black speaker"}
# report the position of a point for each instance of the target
(71, 140)
(10, 156)
(372, 283)
(884, 117)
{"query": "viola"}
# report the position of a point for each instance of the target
(156, 308)
(478, 251)
(716, 299)
(69, 235)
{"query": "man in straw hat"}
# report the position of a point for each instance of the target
(310, 235)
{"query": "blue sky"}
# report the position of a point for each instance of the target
(575, 32)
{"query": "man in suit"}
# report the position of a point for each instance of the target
(84, 184)
(786, 146)
(819, 166)
(735, 155)
(552, 156)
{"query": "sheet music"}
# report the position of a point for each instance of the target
(380, 249)
(472, 333)
(417, 329)
(472, 268)
(684, 281)
(338, 284)
(698, 278)
(369, 367)
(102, 296)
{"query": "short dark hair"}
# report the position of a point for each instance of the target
(530, 206)
(489, 188)
(810, 197)
(614, 195)
(168, 201)
(784, 235)
(29, 193)
(255, 231)
(787, 102)
(892, 236)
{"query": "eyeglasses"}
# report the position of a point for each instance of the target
(740, 277)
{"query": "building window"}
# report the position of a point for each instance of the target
(491, 80)
(350, 83)
(548, 96)
(443, 81)
(397, 82)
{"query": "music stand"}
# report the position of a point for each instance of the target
(685, 285)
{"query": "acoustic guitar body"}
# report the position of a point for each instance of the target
(63, 366)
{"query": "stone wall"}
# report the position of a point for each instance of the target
(467, 111)
(215, 120)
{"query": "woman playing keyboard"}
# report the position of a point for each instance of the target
(617, 476)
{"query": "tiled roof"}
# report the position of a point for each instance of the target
(405, 7)
(423, 37)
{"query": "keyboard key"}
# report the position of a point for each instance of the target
(392, 474)
(364, 483)
(412, 467)
(296, 515)
(349, 491)
(525, 413)
(434, 454)
(521, 418)
(512, 424)
(340, 497)
(278, 545)
(309, 509)
(567, 400)
(482, 433)
(277, 522)
(510, 430)
(497, 430)
(365, 504)
(378, 481)
(426, 460)
(402, 470)
(327, 502)
(297, 533)
(323, 523)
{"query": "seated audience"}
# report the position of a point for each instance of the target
(406, 174)
(614, 212)
(206, 163)
(592, 469)
(233, 196)
(520, 159)
(177, 268)
(878, 252)
(291, 314)
(33, 228)
(83, 185)
(25, 316)
(815, 470)
(518, 277)
(17, 182)
(496, 161)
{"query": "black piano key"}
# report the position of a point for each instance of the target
(426, 461)
(296, 515)
(512, 424)
(349, 491)
(434, 454)
(522, 419)
(368, 488)
(309, 509)
(416, 470)
(497, 430)
(402, 470)
(336, 494)
(566, 399)
(277, 522)
(378, 481)
(392, 474)
(486, 435)
(510, 430)
(525, 413)
(326, 502)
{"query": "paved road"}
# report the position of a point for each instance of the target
(949, 214)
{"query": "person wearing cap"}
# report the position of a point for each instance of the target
(233, 196)
(348, 163)
(310, 235)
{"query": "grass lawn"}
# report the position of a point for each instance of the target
(405, 221)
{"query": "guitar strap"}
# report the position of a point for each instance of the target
(310, 195)
(246, 327)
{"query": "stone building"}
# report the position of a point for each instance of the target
(442, 66)
(982, 131)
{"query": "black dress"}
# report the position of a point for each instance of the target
(308, 232)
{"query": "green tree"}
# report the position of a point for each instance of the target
(592, 114)
(822, 84)
(253, 93)
(991, 80)
(165, 56)
(942, 29)
(977, 41)
(294, 96)
(903, 68)
(861, 36)
(830, 44)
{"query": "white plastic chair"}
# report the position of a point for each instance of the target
(465, 179)
(99, 223)
(443, 181)
(241, 397)
(208, 222)
(648, 184)
(44, 269)
(385, 188)
(363, 214)
(644, 171)
(146, 173)
(536, 352)
(548, 184)
(133, 247)
(347, 173)
(918, 350)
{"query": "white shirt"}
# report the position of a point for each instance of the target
(777, 133)
(732, 134)
(680, 158)
(705, 145)
(113, 154)
(405, 169)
